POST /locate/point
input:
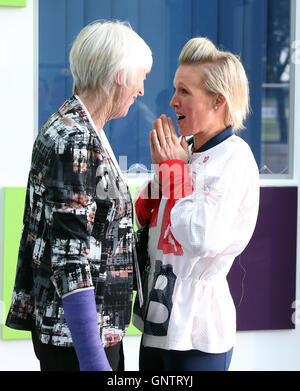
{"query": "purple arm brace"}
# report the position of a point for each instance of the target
(81, 316)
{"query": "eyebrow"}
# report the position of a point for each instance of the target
(180, 84)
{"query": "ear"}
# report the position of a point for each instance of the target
(220, 101)
(119, 78)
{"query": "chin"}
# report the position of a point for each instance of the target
(184, 132)
(123, 113)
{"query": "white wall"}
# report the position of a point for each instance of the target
(17, 93)
(254, 351)
(17, 109)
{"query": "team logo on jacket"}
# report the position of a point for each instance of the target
(167, 242)
(160, 300)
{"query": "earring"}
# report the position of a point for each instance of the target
(216, 107)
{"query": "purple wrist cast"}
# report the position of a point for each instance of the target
(81, 316)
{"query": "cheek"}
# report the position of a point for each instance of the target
(194, 115)
(199, 112)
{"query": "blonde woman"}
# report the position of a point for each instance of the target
(74, 279)
(202, 206)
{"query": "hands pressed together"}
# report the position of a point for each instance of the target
(164, 142)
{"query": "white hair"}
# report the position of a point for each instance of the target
(103, 48)
(224, 74)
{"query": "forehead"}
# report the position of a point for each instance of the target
(189, 75)
(141, 72)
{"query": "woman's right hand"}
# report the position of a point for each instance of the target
(164, 142)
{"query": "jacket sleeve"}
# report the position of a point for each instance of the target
(146, 201)
(70, 209)
(218, 213)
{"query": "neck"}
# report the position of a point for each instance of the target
(99, 106)
(202, 138)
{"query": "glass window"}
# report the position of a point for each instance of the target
(276, 90)
(257, 30)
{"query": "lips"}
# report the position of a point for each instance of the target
(180, 117)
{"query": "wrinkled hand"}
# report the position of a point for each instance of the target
(164, 142)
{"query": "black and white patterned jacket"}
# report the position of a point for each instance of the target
(77, 232)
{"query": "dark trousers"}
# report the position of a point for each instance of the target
(57, 358)
(154, 359)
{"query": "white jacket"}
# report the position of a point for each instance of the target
(193, 247)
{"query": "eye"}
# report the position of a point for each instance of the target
(183, 91)
(180, 90)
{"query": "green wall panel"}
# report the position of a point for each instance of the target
(133, 330)
(14, 199)
(13, 3)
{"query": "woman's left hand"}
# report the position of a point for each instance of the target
(164, 142)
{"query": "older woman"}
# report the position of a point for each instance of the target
(202, 206)
(73, 286)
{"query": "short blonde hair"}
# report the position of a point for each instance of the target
(101, 49)
(224, 74)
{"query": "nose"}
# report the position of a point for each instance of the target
(141, 91)
(173, 101)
